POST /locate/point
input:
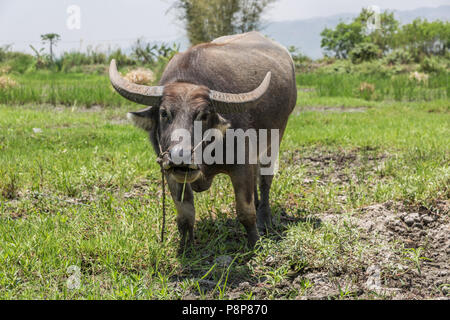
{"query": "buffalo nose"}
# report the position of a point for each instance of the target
(180, 155)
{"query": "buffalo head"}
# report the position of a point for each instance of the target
(177, 106)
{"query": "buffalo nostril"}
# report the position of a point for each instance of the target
(180, 155)
(167, 165)
(176, 152)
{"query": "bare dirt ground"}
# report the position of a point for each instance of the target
(400, 236)
(405, 249)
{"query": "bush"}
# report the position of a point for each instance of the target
(399, 56)
(3, 52)
(340, 66)
(369, 68)
(302, 62)
(121, 58)
(71, 60)
(21, 62)
(297, 55)
(91, 61)
(432, 65)
(100, 69)
(326, 60)
(17, 61)
(376, 67)
(364, 52)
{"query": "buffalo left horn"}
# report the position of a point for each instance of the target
(233, 103)
(146, 95)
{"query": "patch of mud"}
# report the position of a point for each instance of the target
(411, 249)
(339, 167)
(319, 160)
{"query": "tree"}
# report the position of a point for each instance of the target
(52, 39)
(248, 17)
(384, 36)
(423, 38)
(146, 53)
(346, 36)
(206, 20)
(343, 39)
(40, 59)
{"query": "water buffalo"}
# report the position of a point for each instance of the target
(243, 81)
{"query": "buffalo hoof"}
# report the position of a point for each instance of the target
(264, 221)
(263, 227)
(253, 238)
(185, 247)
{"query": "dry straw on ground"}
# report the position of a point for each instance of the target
(5, 69)
(419, 77)
(366, 87)
(140, 76)
(7, 82)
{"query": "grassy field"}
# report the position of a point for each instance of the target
(69, 89)
(361, 202)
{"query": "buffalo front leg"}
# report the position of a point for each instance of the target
(184, 203)
(243, 183)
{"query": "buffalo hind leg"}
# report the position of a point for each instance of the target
(184, 204)
(264, 214)
(255, 193)
(245, 201)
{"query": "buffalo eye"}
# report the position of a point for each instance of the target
(164, 114)
(203, 116)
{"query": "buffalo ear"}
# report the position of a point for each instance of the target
(145, 118)
(220, 123)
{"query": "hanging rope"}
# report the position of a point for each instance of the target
(160, 161)
(163, 227)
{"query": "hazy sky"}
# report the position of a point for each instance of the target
(119, 22)
(300, 9)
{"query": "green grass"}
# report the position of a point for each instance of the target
(58, 88)
(62, 89)
(397, 88)
(85, 192)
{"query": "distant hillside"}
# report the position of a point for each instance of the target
(305, 34)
